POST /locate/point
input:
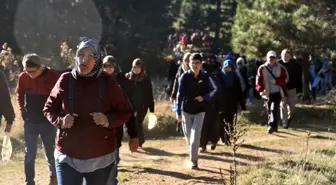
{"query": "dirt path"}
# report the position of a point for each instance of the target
(165, 162)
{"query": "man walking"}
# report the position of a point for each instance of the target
(195, 89)
(287, 105)
(270, 81)
(33, 88)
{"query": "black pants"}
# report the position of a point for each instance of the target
(139, 118)
(226, 124)
(273, 107)
(210, 128)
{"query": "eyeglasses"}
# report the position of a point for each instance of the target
(108, 66)
(30, 71)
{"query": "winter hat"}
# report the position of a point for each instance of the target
(196, 56)
(240, 60)
(31, 60)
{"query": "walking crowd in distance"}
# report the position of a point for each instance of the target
(80, 114)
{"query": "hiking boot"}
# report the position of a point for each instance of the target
(213, 146)
(270, 130)
(53, 181)
(285, 124)
(223, 140)
(194, 165)
(203, 149)
(276, 129)
(288, 123)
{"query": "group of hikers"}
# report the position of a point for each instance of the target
(80, 114)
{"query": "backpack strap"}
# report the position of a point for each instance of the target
(71, 93)
(101, 93)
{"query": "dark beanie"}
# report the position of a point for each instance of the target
(195, 56)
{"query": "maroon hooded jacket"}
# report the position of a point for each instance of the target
(86, 140)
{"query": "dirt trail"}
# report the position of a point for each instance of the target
(165, 161)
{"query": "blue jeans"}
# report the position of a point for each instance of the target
(112, 180)
(31, 133)
(66, 175)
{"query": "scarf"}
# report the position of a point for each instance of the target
(137, 77)
(228, 77)
(94, 46)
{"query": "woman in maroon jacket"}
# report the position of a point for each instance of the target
(86, 106)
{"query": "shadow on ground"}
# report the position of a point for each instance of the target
(178, 175)
(308, 118)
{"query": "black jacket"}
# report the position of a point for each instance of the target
(294, 72)
(130, 124)
(191, 87)
(179, 73)
(140, 93)
(6, 107)
(230, 96)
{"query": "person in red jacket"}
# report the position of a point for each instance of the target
(86, 106)
(270, 81)
(33, 88)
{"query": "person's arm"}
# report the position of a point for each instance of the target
(283, 78)
(175, 87)
(212, 89)
(260, 80)
(180, 95)
(131, 127)
(130, 124)
(6, 104)
(20, 95)
(150, 95)
(121, 112)
(53, 107)
(239, 92)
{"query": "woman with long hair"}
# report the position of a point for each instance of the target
(138, 87)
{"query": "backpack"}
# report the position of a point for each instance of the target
(72, 89)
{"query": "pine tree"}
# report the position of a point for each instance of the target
(191, 16)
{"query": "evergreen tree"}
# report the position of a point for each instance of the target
(191, 16)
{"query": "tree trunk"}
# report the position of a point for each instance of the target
(305, 72)
(218, 25)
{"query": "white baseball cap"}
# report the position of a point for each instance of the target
(271, 54)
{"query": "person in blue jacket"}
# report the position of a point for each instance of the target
(194, 91)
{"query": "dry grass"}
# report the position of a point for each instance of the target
(319, 169)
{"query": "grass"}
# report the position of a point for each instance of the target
(318, 169)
